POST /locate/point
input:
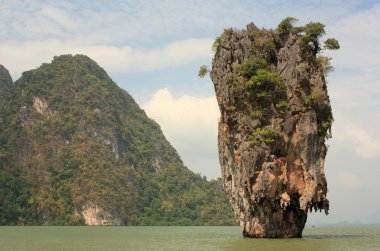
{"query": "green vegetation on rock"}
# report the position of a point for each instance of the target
(324, 129)
(262, 135)
(71, 139)
(259, 87)
(331, 44)
(258, 81)
(282, 106)
(249, 68)
(264, 78)
(310, 100)
(257, 114)
(310, 35)
(203, 71)
(218, 40)
(286, 25)
(6, 82)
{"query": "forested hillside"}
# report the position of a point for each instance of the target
(76, 149)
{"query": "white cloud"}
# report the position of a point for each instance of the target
(24, 56)
(146, 22)
(365, 146)
(358, 35)
(355, 86)
(362, 140)
(60, 18)
(150, 22)
(378, 117)
(348, 180)
(355, 92)
(174, 54)
(190, 124)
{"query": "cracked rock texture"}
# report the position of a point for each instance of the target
(272, 182)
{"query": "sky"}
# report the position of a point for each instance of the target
(153, 49)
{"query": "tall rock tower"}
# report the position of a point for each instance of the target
(275, 117)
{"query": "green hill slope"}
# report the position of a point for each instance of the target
(77, 149)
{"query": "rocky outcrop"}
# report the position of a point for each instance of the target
(5, 81)
(40, 105)
(95, 216)
(275, 117)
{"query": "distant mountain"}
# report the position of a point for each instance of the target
(76, 149)
(5, 82)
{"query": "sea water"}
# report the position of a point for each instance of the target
(326, 238)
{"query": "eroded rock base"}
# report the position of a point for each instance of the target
(280, 224)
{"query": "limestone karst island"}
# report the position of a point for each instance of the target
(275, 116)
(76, 149)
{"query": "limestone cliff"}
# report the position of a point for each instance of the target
(275, 117)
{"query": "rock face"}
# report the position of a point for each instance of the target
(275, 117)
(96, 216)
(5, 81)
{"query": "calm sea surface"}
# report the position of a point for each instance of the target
(183, 238)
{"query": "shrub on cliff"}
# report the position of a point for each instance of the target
(310, 35)
(249, 68)
(286, 25)
(262, 135)
(203, 71)
(331, 44)
(264, 78)
(217, 42)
